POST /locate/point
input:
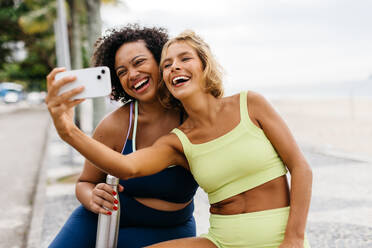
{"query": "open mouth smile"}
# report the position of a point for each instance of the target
(141, 85)
(180, 80)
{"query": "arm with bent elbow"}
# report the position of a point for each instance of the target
(284, 143)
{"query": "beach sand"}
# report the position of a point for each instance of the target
(342, 125)
(336, 137)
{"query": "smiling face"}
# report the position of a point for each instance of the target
(137, 70)
(182, 70)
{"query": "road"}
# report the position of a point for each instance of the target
(22, 139)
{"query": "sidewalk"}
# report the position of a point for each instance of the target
(340, 214)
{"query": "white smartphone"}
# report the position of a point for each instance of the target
(96, 82)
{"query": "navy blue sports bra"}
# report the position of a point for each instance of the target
(173, 184)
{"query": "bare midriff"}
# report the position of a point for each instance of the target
(270, 195)
(162, 205)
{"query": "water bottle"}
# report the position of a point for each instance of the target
(108, 225)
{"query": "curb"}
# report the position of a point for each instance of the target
(36, 221)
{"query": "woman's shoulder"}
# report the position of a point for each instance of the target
(256, 99)
(113, 124)
(251, 95)
(171, 141)
(258, 106)
(251, 98)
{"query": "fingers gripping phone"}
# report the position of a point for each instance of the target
(96, 82)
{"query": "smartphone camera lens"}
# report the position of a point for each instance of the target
(103, 71)
(99, 76)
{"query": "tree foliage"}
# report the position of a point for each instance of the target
(28, 22)
(27, 25)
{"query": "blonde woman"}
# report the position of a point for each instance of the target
(237, 148)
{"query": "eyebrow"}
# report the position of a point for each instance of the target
(178, 55)
(131, 61)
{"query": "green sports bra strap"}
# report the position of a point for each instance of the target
(184, 140)
(243, 107)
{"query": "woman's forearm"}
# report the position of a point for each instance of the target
(83, 191)
(99, 154)
(301, 184)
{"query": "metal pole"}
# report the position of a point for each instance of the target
(62, 36)
(62, 48)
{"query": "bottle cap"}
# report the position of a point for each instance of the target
(112, 180)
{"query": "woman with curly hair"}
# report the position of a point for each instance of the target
(237, 147)
(153, 208)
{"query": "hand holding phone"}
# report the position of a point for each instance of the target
(96, 82)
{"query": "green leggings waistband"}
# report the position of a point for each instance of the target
(254, 230)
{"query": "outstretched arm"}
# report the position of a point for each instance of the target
(143, 162)
(283, 141)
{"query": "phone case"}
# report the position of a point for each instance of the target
(96, 80)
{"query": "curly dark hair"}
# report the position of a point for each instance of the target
(106, 46)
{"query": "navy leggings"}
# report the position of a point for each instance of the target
(139, 226)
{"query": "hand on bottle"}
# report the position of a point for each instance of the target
(103, 199)
(60, 106)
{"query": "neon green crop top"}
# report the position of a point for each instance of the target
(235, 162)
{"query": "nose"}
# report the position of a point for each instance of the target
(175, 66)
(133, 74)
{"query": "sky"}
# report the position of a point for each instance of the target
(268, 43)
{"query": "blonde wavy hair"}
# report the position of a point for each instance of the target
(212, 71)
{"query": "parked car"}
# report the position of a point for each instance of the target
(11, 92)
(36, 97)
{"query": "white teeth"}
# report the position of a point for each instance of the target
(139, 84)
(179, 78)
